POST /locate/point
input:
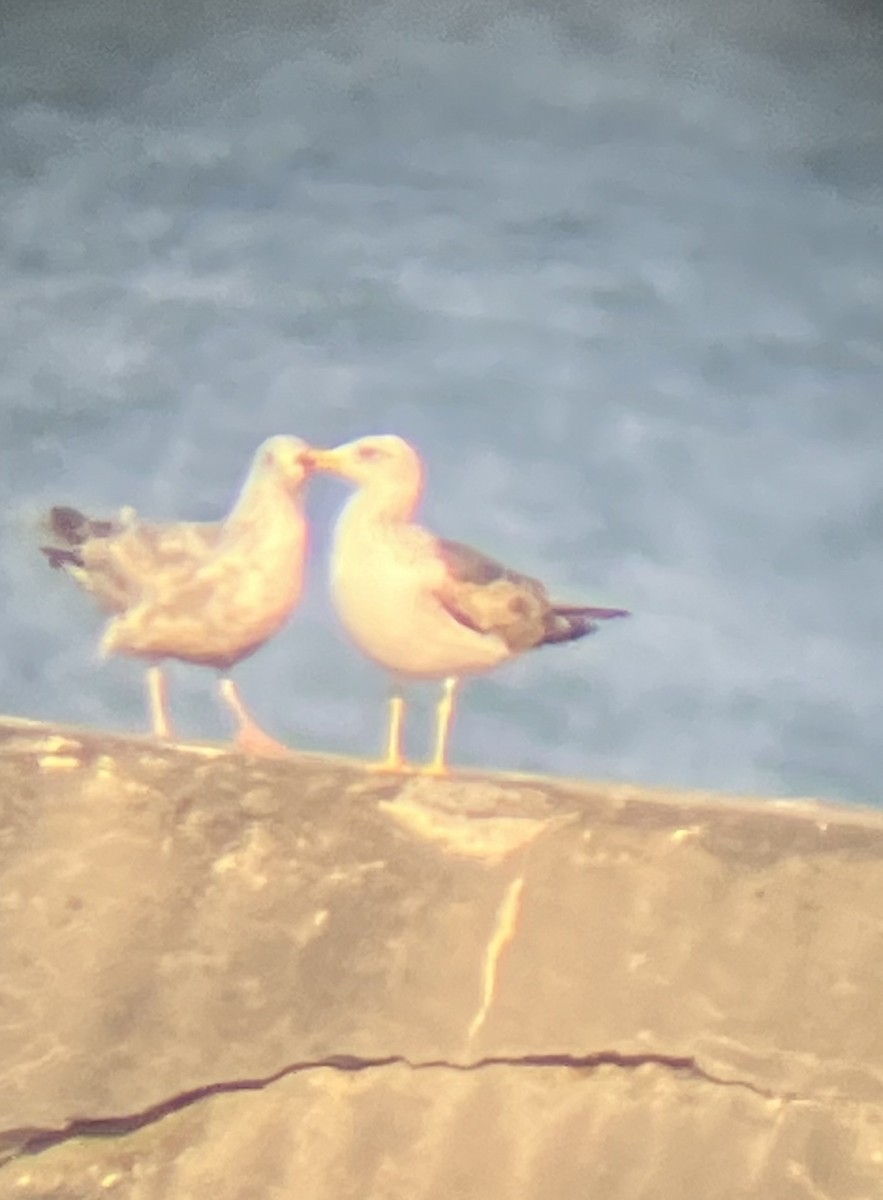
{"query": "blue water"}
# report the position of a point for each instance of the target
(617, 270)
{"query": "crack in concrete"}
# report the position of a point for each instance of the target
(16, 1143)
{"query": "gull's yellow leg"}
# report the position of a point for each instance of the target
(438, 765)
(394, 760)
(158, 702)
(249, 737)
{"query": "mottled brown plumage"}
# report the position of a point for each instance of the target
(209, 593)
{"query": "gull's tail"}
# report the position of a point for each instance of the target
(72, 529)
(88, 551)
(567, 622)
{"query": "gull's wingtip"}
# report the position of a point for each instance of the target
(592, 612)
(569, 622)
(60, 558)
(73, 528)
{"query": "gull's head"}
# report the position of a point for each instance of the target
(385, 460)
(287, 458)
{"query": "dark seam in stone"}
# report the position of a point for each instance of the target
(31, 1141)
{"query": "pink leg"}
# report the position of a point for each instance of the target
(249, 737)
(158, 703)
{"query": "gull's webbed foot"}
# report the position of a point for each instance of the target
(250, 738)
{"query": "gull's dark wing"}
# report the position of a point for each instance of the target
(489, 598)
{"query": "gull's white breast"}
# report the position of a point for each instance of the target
(383, 581)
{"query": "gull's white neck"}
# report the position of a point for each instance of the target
(383, 502)
(268, 508)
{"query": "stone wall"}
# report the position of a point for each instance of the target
(244, 979)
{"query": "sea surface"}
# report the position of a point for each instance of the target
(616, 269)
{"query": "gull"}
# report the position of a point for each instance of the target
(210, 593)
(423, 607)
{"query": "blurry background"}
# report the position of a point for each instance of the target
(615, 268)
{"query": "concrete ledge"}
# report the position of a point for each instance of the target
(231, 977)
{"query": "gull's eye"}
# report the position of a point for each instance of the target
(369, 453)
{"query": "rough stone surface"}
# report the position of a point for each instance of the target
(237, 978)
